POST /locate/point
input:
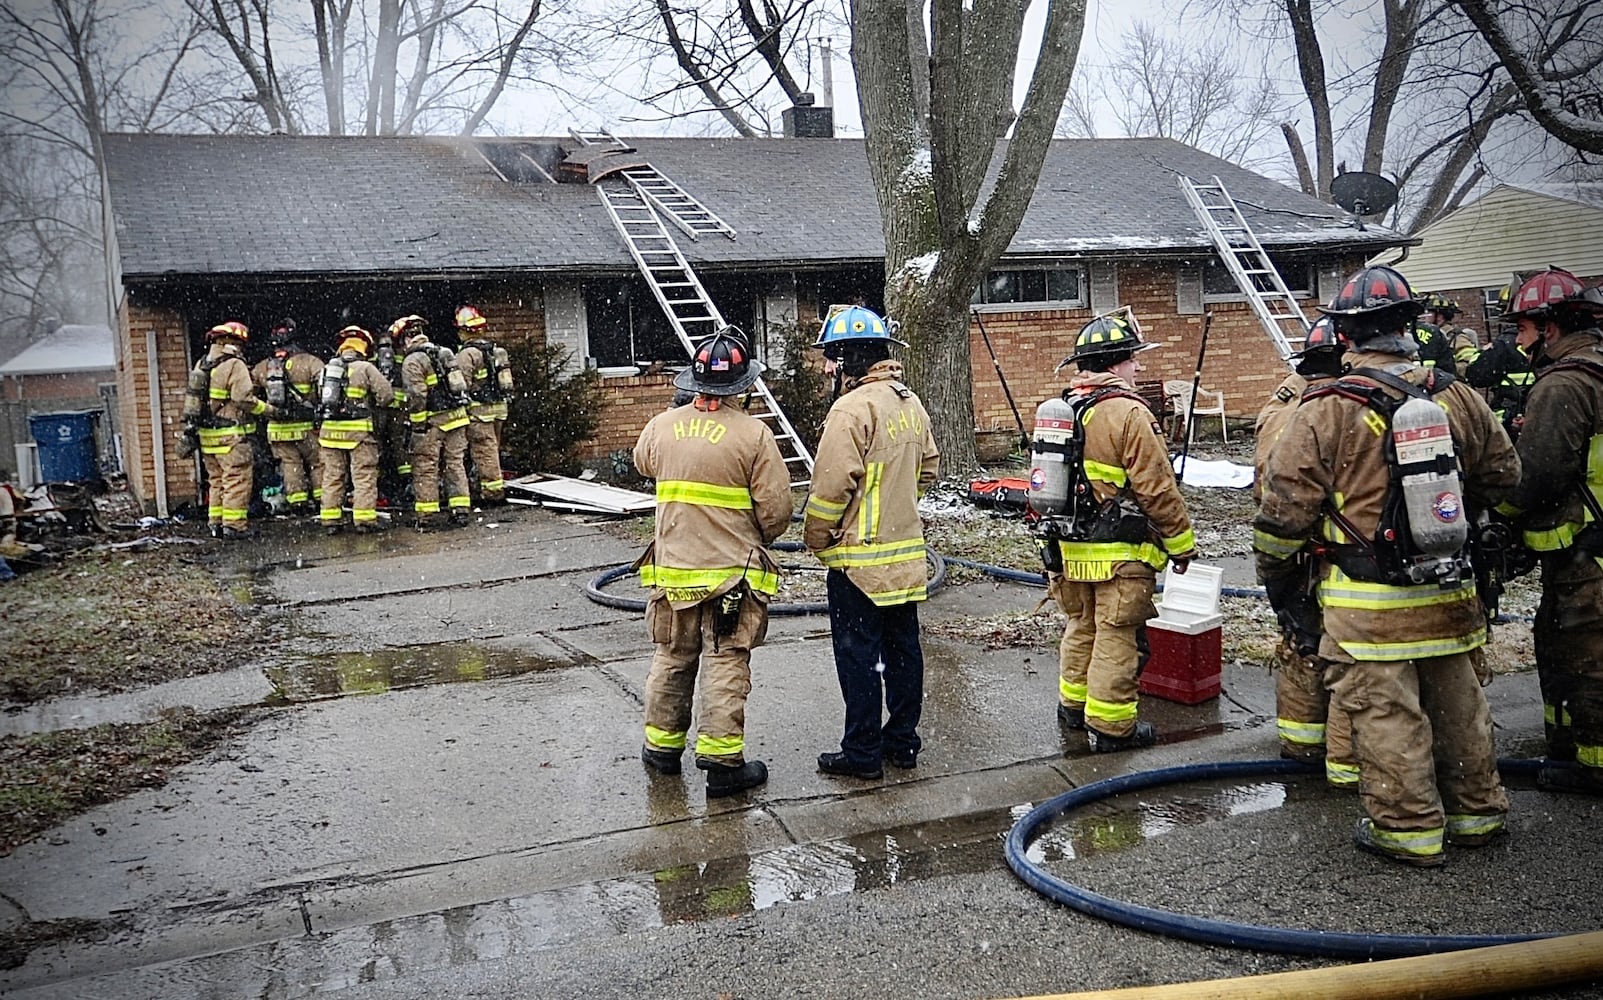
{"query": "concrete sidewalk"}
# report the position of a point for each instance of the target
(354, 810)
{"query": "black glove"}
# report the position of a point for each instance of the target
(1296, 610)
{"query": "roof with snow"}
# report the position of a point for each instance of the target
(398, 206)
(72, 348)
(1588, 193)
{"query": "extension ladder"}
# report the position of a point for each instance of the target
(690, 310)
(661, 191)
(1244, 257)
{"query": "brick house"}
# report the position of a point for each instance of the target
(1471, 253)
(72, 368)
(335, 230)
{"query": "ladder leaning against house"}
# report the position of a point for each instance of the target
(1248, 263)
(637, 205)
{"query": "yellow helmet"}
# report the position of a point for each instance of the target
(233, 328)
(357, 338)
(468, 317)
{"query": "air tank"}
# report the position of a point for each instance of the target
(332, 394)
(1051, 478)
(1433, 497)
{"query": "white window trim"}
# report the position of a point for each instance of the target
(1083, 302)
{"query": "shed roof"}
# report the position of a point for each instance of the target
(72, 348)
(216, 205)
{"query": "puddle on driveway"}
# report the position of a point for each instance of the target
(1130, 820)
(335, 675)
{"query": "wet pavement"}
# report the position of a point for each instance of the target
(443, 795)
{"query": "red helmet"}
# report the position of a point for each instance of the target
(468, 317)
(406, 325)
(233, 328)
(358, 334)
(1539, 294)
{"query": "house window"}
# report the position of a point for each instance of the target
(627, 327)
(1219, 286)
(1032, 287)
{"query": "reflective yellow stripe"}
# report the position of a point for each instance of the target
(1424, 842)
(1562, 536)
(1274, 546)
(1422, 649)
(454, 419)
(873, 554)
(720, 746)
(355, 392)
(1552, 539)
(1554, 716)
(426, 507)
(824, 510)
(213, 436)
(665, 740)
(1111, 711)
(1588, 755)
(1183, 542)
(1094, 561)
(868, 510)
(1341, 591)
(1311, 734)
(460, 503)
(689, 580)
(1072, 692)
(1337, 773)
(904, 595)
(703, 494)
(296, 431)
(330, 514)
(1103, 473)
(1463, 823)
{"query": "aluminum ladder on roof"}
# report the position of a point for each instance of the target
(689, 308)
(664, 194)
(1246, 260)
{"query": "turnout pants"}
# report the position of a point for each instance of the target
(301, 465)
(391, 428)
(686, 647)
(1569, 657)
(1104, 645)
(361, 462)
(880, 666)
(438, 455)
(229, 477)
(484, 446)
(1312, 728)
(1423, 737)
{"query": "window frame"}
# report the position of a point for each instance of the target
(1308, 290)
(1035, 305)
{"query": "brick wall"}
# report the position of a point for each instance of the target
(513, 315)
(134, 325)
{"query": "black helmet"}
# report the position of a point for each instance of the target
(723, 366)
(282, 332)
(1114, 333)
(1372, 290)
(1322, 336)
(1436, 302)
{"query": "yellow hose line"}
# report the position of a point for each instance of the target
(1473, 973)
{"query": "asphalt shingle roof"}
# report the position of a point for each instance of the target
(71, 348)
(214, 205)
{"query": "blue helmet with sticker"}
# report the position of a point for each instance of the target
(853, 323)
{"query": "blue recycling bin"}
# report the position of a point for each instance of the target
(66, 443)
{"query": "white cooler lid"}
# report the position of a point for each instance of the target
(1193, 594)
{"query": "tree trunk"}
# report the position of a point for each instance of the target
(1299, 159)
(1311, 66)
(386, 52)
(1402, 28)
(332, 97)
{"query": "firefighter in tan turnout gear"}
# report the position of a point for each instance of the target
(488, 371)
(436, 397)
(352, 388)
(722, 495)
(1312, 730)
(1560, 507)
(1103, 552)
(288, 379)
(1384, 467)
(875, 457)
(220, 408)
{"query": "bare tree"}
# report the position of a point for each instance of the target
(1552, 54)
(1194, 93)
(940, 238)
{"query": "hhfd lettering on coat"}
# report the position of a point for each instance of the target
(707, 428)
(904, 421)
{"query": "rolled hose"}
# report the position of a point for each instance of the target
(1205, 930)
(594, 589)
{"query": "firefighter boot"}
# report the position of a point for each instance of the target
(661, 761)
(1389, 844)
(1576, 780)
(1143, 735)
(1073, 717)
(724, 780)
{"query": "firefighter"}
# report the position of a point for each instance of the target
(1435, 350)
(351, 389)
(722, 495)
(288, 379)
(1460, 341)
(436, 397)
(875, 456)
(225, 428)
(1558, 508)
(390, 423)
(1503, 370)
(1105, 580)
(1312, 730)
(488, 371)
(1401, 611)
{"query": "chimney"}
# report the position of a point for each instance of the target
(807, 121)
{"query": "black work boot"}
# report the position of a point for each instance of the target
(723, 780)
(1074, 718)
(1367, 838)
(840, 764)
(661, 761)
(459, 519)
(1143, 735)
(1572, 780)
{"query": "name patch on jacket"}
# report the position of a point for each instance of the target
(708, 428)
(904, 420)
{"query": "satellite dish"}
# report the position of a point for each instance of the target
(1363, 193)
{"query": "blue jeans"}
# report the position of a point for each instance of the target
(880, 665)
